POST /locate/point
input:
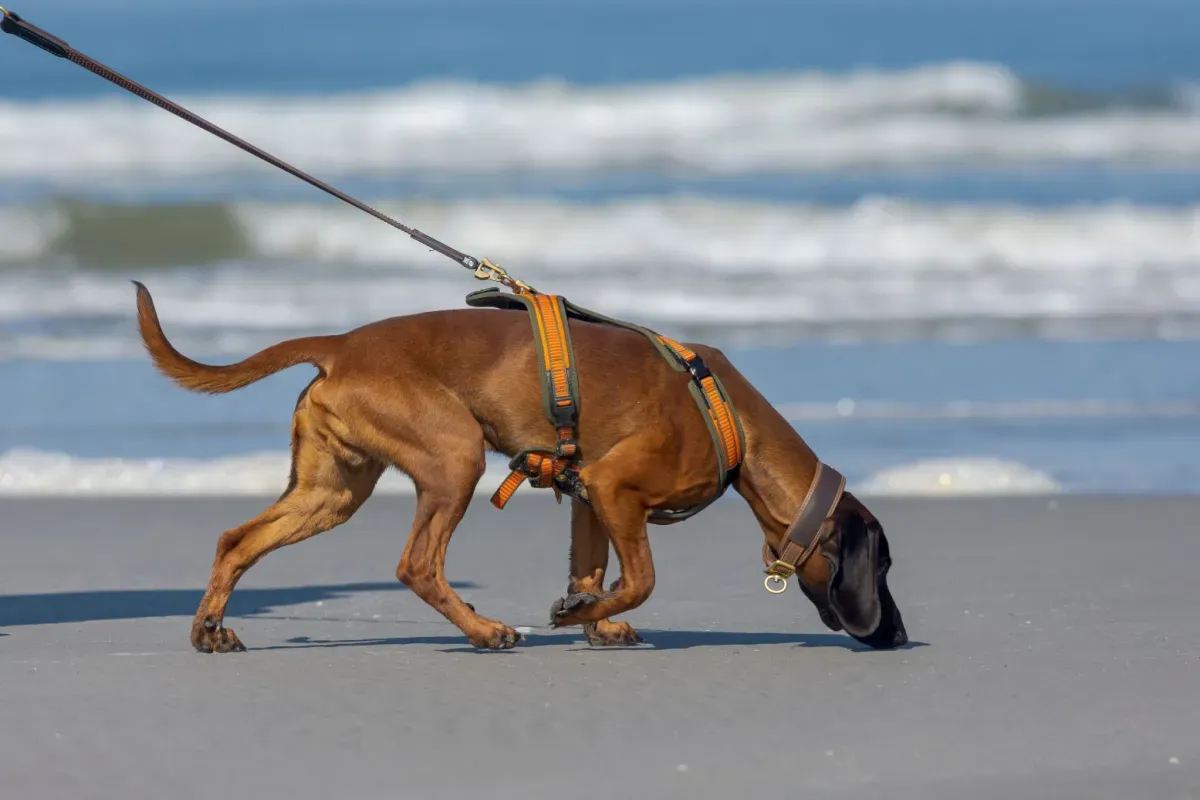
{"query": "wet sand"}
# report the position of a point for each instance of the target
(1055, 653)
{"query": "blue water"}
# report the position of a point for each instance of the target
(308, 47)
(124, 409)
(1113, 55)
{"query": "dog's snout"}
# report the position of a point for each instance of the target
(899, 634)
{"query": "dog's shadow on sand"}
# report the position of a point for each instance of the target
(121, 604)
(65, 607)
(654, 640)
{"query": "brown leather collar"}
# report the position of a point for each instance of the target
(802, 536)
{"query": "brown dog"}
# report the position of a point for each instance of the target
(430, 393)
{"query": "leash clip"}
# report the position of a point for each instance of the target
(778, 573)
(487, 271)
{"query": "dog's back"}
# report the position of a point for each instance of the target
(484, 359)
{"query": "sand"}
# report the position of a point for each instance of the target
(1055, 653)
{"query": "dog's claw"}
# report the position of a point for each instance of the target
(216, 639)
(506, 640)
(616, 634)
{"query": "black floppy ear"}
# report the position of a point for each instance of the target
(853, 593)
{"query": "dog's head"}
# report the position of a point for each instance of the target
(846, 578)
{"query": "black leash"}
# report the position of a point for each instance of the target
(15, 25)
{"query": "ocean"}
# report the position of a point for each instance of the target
(956, 241)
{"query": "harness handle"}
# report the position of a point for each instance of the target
(13, 24)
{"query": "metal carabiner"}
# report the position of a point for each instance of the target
(487, 271)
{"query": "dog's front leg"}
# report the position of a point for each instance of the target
(589, 560)
(620, 513)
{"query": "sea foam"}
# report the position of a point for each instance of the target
(38, 473)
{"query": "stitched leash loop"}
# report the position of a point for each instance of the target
(15, 25)
(12, 23)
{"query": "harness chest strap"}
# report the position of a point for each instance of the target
(560, 397)
(560, 394)
(803, 535)
(716, 408)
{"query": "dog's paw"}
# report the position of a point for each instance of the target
(502, 638)
(611, 634)
(564, 607)
(214, 638)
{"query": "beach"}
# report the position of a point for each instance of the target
(954, 242)
(1053, 653)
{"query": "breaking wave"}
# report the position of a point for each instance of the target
(676, 236)
(957, 477)
(26, 472)
(947, 113)
(878, 267)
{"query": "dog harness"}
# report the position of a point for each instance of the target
(558, 467)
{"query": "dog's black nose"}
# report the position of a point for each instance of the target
(900, 638)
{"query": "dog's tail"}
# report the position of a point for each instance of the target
(315, 350)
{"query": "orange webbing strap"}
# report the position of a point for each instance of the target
(542, 468)
(718, 410)
(507, 489)
(555, 352)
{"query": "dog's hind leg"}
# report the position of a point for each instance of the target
(445, 470)
(589, 560)
(329, 482)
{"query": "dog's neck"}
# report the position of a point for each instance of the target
(777, 471)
